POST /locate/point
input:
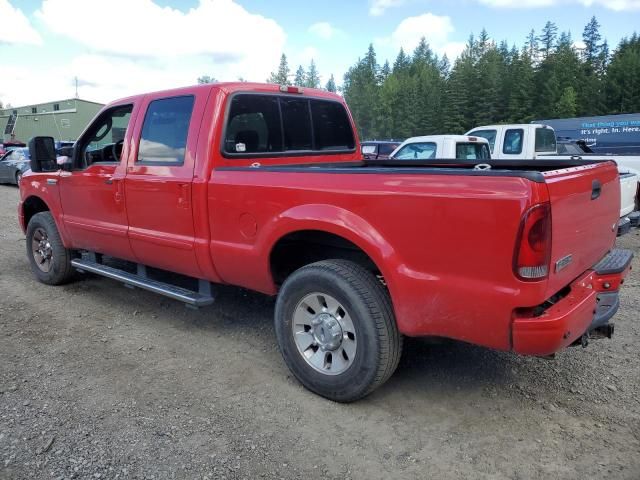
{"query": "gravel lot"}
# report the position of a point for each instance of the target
(98, 381)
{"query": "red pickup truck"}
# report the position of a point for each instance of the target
(265, 187)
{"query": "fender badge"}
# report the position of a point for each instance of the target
(563, 262)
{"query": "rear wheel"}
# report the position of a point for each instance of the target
(50, 260)
(336, 329)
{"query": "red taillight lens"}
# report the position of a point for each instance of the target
(533, 248)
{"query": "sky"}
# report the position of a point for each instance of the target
(117, 48)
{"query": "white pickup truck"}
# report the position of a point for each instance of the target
(443, 147)
(537, 141)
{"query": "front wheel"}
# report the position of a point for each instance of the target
(336, 329)
(50, 260)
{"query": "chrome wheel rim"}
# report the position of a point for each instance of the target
(41, 249)
(324, 334)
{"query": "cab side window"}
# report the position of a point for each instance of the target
(513, 141)
(164, 132)
(104, 139)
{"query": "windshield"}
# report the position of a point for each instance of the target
(472, 151)
(416, 151)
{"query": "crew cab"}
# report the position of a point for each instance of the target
(448, 147)
(537, 141)
(264, 187)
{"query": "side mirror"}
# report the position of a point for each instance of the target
(42, 151)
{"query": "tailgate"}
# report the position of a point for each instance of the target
(585, 206)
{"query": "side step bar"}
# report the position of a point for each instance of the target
(197, 299)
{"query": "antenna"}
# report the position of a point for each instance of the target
(76, 80)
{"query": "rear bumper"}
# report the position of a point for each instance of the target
(591, 301)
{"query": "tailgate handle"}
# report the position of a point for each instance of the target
(596, 189)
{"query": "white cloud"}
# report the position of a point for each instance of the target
(148, 48)
(220, 29)
(323, 30)
(16, 28)
(378, 7)
(436, 30)
(616, 5)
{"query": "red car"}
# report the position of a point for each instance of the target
(263, 187)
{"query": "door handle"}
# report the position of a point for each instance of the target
(109, 181)
(596, 189)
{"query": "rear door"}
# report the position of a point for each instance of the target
(585, 203)
(158, 185)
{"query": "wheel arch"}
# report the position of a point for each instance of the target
(312, 233)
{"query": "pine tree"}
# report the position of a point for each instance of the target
(281, 76)
(402, 62)
(312, 77)
(547, 39)
(567, 105)
(623, 77)
(591, 38)
(300, 77)
(331, 84)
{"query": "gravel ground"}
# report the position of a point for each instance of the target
(98, 381)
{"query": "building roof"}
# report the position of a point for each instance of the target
(17, 107)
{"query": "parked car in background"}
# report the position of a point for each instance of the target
(377, 149)
(10, 145)
(13, 164)
(606, 134)
(538, 142)
(461, 147)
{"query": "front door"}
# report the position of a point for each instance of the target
(92, 194)
(159, 182)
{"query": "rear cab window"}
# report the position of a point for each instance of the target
(490, 135)
(276, 125)
(545, 140)
(512, 144)
(472, 151)
(387, 148)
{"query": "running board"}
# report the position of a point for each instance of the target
(193, 299)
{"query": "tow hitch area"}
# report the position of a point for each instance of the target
(609, 276)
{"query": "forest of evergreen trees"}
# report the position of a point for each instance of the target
(548, 77)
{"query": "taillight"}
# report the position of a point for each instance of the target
(533, 248)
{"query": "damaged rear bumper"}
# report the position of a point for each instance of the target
(585, 307)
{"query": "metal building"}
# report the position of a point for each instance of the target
(62, 120)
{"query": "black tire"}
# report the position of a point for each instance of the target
(379, 344)
(59, 268)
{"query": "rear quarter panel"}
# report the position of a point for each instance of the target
(444, 243)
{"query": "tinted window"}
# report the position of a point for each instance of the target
(490, 135)
(331, 126)
(387, 148)
(253, 125)
(513, 141)
(277, 124)
(416, 151)
(165, 129)
(472, 151)
(545, 140)
(296, 123)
